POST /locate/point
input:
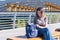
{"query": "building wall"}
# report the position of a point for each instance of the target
(14, 8)
(51, 6)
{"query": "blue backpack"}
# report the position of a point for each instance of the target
(31, 30)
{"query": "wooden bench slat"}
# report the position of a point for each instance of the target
(16, 39)
(24, 39)
(55, 34)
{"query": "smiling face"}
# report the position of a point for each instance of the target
(40, 13)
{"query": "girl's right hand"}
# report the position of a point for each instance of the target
(38, 26)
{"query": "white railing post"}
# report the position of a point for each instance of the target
(50, 18)
(29, 19)
(57, 18)
(14, 20)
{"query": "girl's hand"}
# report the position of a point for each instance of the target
(38, 25)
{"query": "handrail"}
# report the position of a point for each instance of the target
(22, 17)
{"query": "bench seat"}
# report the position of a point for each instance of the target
(24, 39)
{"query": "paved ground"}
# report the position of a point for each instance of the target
(20, 32)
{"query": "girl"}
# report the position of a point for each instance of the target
(41, 23)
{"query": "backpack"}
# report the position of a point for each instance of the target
(31, 30)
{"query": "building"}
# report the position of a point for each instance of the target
(51, 6)
(18, 8)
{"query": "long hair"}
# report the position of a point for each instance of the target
(36, 15)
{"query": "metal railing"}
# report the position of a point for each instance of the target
(12, 20)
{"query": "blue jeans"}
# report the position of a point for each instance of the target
(45, 32)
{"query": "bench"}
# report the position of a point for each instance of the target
(56, 35)
(24, 39)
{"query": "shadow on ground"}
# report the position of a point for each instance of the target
(21, 36)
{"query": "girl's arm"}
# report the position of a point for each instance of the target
(44, 23)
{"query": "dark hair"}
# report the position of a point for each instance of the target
(38, 9)
(36, 16)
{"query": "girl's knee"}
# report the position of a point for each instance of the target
(46, 29)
